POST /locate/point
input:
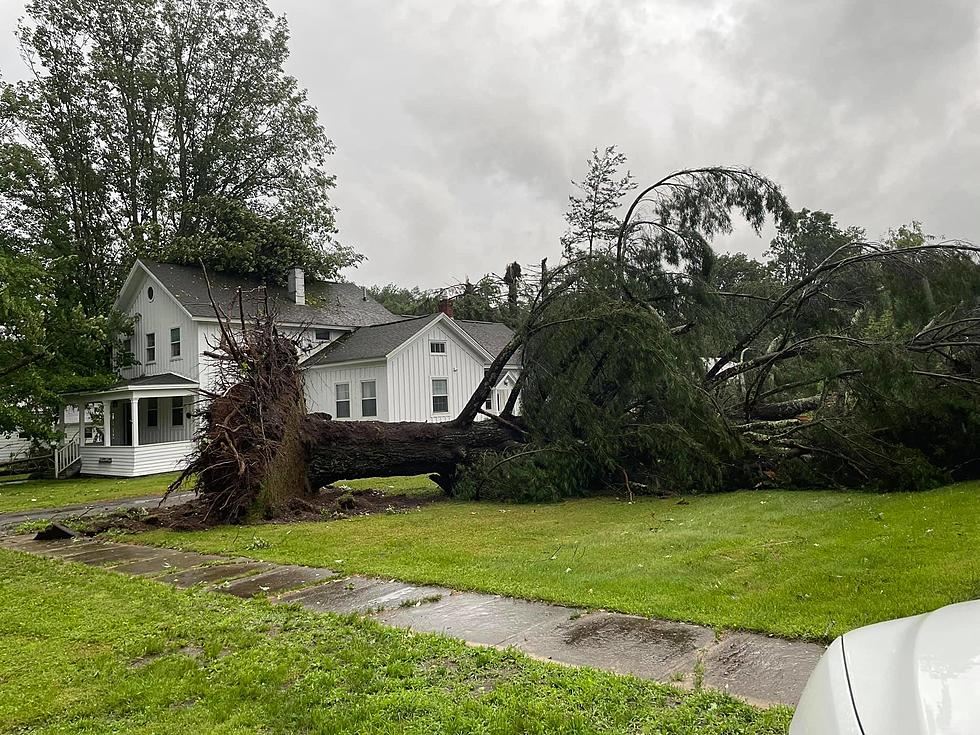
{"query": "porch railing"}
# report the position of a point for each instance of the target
(66, 455)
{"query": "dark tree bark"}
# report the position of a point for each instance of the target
(343, 450)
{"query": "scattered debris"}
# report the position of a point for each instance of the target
(54, 532)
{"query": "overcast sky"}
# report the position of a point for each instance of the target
(459, 125)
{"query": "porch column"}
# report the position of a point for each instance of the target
(81, 422)
(134, 412)
(107, 423)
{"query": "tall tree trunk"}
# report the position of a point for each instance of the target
(344, 450)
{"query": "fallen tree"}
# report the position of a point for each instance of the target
(824, 384)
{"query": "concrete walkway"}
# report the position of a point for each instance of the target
(11, 520)
(757, 668)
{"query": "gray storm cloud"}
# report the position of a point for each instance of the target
(459, 125)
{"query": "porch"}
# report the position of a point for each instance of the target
(140, 426)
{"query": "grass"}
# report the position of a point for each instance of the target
(417, 486)
(58, 493)
(88, 651)
(796, 564)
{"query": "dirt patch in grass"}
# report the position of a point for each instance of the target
(345, 502)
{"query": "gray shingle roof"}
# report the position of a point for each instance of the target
(150, 380)
(327, 303)
(143, 381)
(492, 336)
(369, 342)
(375, 342)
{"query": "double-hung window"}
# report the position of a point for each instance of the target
(342, 402)
(489, 404)
(151, 347)
(440, 395)
(369, 398)
(177, 411)
(175, 342)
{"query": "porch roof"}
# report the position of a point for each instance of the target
(162, 384)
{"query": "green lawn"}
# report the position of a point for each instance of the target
(798, 564)
(56, 493)
(417, 486)
(83, 650)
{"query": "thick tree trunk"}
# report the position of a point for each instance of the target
(344, 450)
(785, 409)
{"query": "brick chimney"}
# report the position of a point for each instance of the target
(297, 285)
(446, 307)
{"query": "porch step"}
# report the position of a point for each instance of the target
(71, 470)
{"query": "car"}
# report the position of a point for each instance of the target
(912, 676)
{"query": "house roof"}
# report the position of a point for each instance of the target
(328, 303)
(368, 343)
(160, 380)
(492, 336)
(145, 381)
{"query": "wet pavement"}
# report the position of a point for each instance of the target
(754, 667)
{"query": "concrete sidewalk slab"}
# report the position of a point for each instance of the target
(59, 548)
(357, 594)
(164, 561)
(627, 644)
(214, 574)
(278, 580)
(759, 668)
(476, 618)
(113, 555)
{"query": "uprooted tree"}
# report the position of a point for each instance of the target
(641, 374)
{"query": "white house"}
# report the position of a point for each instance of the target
(419, 369)
(346, 337)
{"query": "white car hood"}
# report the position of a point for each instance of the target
(918, 675)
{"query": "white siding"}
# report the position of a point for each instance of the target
(208, 337)
(412, 368)
(320, 383)
(13, 447)
(134, 461)
(159, 316)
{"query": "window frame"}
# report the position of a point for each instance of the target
(152, 409)
(177, 411)
(173, 343)
(317, 335)
(434, 395)
(151, 348)
(373, 399)
(337, 400)
(488, 404)
(438, 353)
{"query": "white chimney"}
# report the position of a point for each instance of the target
(297, 285)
